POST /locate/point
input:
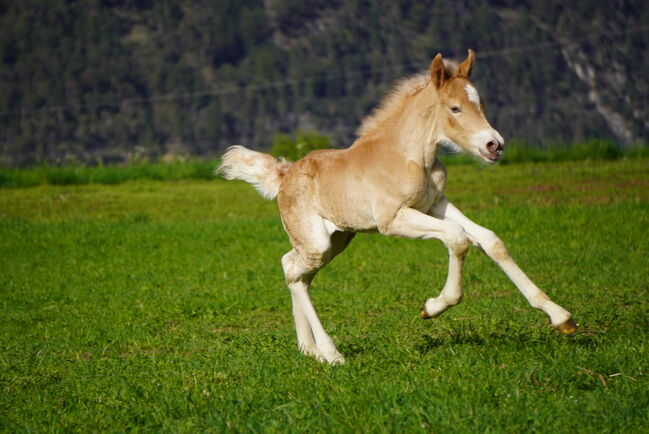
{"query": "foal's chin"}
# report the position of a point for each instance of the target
(491, 158)
(485, 156)
(482, 155)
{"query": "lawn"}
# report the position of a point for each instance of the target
(160, 306)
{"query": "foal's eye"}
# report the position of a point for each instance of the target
(455, 109)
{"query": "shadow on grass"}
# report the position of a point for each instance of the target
(353, 349)
(517, 340)
(430, 343)
(512, 338)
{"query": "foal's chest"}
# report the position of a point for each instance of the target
(431, 187)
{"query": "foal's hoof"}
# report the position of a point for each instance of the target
(433, 307)
(332, 358)
(567, 328)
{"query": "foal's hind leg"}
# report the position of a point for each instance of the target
(314, 247)
(312, 338)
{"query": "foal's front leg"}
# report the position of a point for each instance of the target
(496, 250)
(410, 223)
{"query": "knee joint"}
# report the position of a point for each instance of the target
(293, 272)
(457, 240)
(301, 267)
(494, 247)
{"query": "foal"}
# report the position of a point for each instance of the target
(389, 181)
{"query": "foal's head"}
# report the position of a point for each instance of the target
(461, 117)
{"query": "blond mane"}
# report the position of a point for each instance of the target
(402, 90)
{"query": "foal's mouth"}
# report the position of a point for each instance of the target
(492, 157)
(493, 151)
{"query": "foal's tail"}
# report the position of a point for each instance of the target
(261, 170)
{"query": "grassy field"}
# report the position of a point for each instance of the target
(160, 306)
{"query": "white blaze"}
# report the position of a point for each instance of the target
(472, 93)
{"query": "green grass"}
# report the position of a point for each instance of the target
(161, 306)
(109, 174)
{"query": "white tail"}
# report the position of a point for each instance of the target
(261, 170)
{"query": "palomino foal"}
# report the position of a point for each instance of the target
(389, 181)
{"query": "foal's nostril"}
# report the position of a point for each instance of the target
(493, 146)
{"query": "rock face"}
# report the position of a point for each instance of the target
(104, 81)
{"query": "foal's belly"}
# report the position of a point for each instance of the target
(357, 209)
(355, 201)
(348, 213)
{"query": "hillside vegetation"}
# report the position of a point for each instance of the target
(103, 80)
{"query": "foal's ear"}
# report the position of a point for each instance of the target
(438, 71)
(467, 65)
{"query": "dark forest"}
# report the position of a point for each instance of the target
(97, 81)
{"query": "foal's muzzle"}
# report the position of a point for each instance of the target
(494, 150)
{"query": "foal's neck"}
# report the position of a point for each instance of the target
(405, 124)
(417, 128)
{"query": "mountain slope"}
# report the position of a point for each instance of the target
(103, 79)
